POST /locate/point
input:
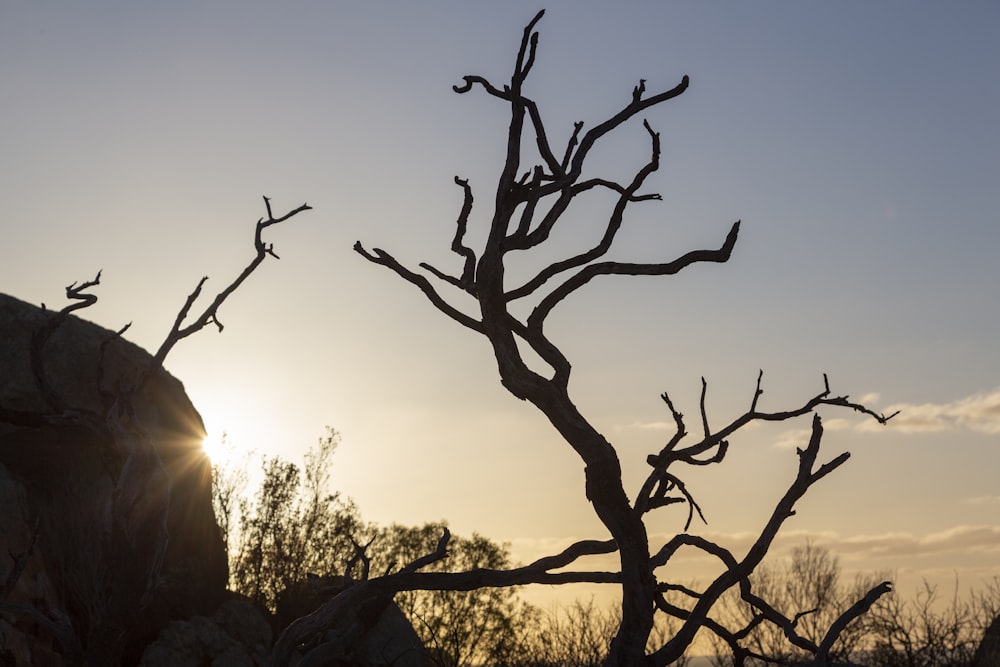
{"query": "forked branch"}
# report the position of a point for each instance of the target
(586, 274)
(738, 572)
(411, 578)
(211, 313)
(379, 256)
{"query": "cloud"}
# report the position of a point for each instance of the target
(959, 538)
(838, 424)
(978, 412)
(982, 500)
(799, 437)
(652, 426)
(795, 438)
(927, 555)
(983, 539)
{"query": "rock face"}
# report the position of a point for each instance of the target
(237, 634)
(373, 631)
(106, 525)
(988, 653)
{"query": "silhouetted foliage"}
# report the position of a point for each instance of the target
(925, 631)
(457, 627)
(922, 631)
(293, 526)
(575, 635)
(807, 589)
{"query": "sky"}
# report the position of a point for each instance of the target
(857, 142)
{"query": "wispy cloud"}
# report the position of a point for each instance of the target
(891, 545)
(959, 538)
(794, 438)
(799, 437)
(982, 500)
(900, 544)
(978, 412)
(652, 426)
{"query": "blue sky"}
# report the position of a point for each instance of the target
(858, 143)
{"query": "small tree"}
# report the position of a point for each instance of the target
(807, 589)
(923, 631)
(296, 541)
(529, 203)
(293, 527)
(577, 635)
(458, 628)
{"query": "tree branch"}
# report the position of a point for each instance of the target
(379, 256)
(857, 609)
(738, 573)
(210, 315)
(75, 292)
(578, 280)
(410, 578)
(627, 194)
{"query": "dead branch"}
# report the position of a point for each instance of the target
(466, 282)
(41, 336)
(738, 572)
(211, 313)
(718, 441)
(410, 578)
(857, 609)
(627, 196)
(585, 275)
(76, 292)
(379, 256)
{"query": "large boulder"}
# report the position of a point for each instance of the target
(988, 652)
(371, 631)
(106, 525)
(236, 635)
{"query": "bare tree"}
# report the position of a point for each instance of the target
(922, 632)
(529, 203)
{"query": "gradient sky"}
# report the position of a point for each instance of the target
(858, 142)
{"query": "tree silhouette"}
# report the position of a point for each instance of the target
(529, 203)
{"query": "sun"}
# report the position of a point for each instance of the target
(218, 448)
(223, 446)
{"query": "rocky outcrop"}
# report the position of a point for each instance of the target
(988, 652)
(236, 635)
(370, 631)
(239, 634)
(106, 526)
